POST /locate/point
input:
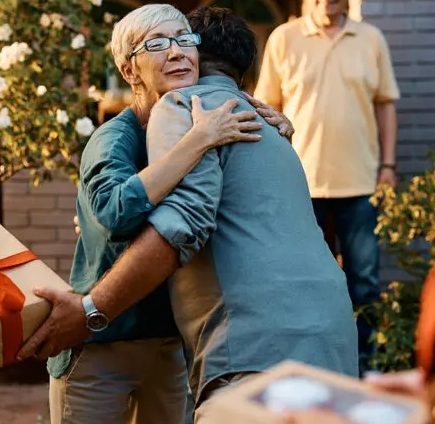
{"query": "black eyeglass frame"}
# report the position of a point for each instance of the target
(171, 39)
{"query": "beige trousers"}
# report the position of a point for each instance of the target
(134, 382)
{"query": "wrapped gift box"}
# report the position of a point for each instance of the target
(21, 312)
(310, 396)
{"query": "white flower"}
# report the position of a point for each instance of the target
(41, 90)
(57, 20)
(3, 86)
(94, 94)
(62, 117)
(96, 2)
(10, 55)
(5, 32)
(5, 120)
(45, 20)
(84, 126)
(78, 41)
(108, 18)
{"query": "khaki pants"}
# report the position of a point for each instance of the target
(206, 415)
(135, 382)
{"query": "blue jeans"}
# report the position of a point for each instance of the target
(354, 220)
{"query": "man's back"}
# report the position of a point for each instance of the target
(265, 288)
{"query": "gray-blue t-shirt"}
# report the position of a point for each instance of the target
(264, 286)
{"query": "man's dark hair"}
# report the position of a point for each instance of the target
(227, 42)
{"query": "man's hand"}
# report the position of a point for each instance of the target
(273, 117)
(64, 328)
(387, 176)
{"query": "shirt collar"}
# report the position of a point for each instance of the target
(218, 80)
(132, 117)
(310, 28)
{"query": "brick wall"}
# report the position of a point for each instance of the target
(409, 27)
(42, 219)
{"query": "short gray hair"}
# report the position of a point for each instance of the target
(132, 28)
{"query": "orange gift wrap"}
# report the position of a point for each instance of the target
(21, 312)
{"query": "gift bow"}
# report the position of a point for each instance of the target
(11, 304)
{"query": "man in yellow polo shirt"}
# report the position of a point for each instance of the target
(334, 79)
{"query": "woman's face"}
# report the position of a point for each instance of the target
(169, 69)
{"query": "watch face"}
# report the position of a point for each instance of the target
(97, 321)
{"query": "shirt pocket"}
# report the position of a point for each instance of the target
(359, 70)
(301, 72)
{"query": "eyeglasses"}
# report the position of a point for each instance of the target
(164, 43)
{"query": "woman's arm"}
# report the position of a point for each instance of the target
(210, 129)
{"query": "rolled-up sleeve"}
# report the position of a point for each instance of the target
(115, 193)
(387, 89)
(187, 216)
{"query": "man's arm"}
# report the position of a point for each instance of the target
(182, 224)
(386, 94)
(148, 261)
(387, 124)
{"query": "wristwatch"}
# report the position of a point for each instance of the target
(95, 320)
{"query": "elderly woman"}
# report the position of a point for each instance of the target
(133, 369)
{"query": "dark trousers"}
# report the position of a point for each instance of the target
(354, 220)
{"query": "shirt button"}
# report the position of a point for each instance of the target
(148, 205)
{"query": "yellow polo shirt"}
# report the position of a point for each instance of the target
(328, 88)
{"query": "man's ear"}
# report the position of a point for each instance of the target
(129, 73)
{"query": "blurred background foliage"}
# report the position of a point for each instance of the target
(52, 83)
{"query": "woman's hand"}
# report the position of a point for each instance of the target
(221, 126)
(273, 117)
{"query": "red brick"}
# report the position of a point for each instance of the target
(65, 264)
(15, 219)
(21, 176)
(53, 249)
(67, 202)
(55, 187)
(15, 187)
(64, 275)
(51, 262)
(51, 219)
(28, 202)
(67, 234)
(31, 234)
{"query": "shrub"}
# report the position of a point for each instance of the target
(53, 60)
(406, 225)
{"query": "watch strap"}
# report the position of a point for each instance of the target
(89, 305)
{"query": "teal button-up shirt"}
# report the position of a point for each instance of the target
(264, 286)
(112, 206)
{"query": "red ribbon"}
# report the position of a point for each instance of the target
(11, 304)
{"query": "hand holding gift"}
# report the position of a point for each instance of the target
(21, 311)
